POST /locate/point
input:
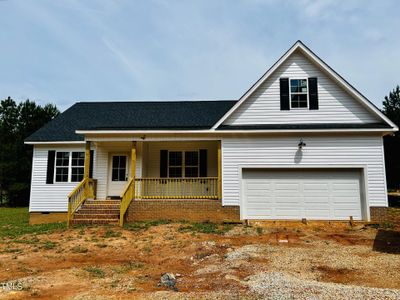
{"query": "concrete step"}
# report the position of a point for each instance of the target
(79, 216)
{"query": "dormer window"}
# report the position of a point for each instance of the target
(298, 93)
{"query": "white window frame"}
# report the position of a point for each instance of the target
(83, 166)
(69, 167)
(183, 163)
(290, 94)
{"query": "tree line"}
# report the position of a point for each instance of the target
(17, 122)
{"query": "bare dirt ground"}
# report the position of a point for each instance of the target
(264, 261)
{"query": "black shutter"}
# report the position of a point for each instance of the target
(203, 162)
(313, 92)
(91, 164)
(51, 155)
(284, 90)
(163, 163)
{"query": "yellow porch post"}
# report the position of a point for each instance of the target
(133, 168)
(219, 171)
(87, 160)
(86, 170)
(133, 160)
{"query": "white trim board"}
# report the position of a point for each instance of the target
(55, 143)
(222, 131)
(320, 63)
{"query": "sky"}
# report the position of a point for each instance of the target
(66, 51)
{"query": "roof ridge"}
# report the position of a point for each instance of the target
(153, 101)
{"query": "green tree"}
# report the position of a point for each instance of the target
(18, 121)
(391, 106)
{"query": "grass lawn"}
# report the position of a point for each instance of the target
(14, 222)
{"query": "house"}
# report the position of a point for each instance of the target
(300, 143)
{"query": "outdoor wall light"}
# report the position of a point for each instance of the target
(301, 144)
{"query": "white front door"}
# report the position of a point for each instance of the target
(118, 174)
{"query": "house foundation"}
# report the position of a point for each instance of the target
(43, 217)
(193, 210)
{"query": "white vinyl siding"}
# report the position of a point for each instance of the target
(330, 151)
(49, 197)
(335, 105)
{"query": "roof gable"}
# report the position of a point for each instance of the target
(360, 105)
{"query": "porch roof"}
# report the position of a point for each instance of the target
(133, 115)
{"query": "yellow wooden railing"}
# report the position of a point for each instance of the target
(167, 188)
(176, 188)
(126, 198)
(84, 190)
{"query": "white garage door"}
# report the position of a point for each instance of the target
(295, 194)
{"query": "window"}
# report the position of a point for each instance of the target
(119, 168)
(298, 93)
(62, 166)
(78, 166)
(175, 164)
(69, 163)
(183, 164)
(191, 164)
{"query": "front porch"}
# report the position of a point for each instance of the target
(148, 171)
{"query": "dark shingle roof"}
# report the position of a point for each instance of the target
(177, 115)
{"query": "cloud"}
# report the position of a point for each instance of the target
(63, 51)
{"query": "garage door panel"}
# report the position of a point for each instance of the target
(285, 187)
(330, 194)
(260, 185)
(345, 187)
(344, 214)
(317, 213)
(260, 205)
(312, 187)
(263, 213)
(287, 200)
(316, 204)
(285, 213)
(344, 200)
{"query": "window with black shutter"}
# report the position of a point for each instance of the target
(299, 93)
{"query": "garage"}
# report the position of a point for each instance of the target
(293, 194)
